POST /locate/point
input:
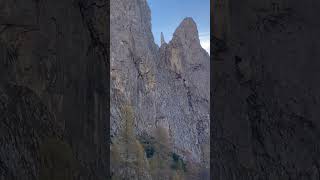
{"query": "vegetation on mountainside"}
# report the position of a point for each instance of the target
(143, 155)
(127, 154)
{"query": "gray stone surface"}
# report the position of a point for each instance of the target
(133, 57)
(168, 86)
(266, 90)
(183, 89)
(162, 39)
(54, 85)
(53, 88)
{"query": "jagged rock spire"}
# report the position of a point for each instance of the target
(187, 31)
(162, 39)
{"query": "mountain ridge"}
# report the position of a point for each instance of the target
(169, 86)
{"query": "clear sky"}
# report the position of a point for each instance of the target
(168, 14)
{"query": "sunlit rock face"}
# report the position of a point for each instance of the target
(266, 118)
(183, 91)
(167, 86)
(133, 57)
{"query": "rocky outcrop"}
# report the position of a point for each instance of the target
(266, 93)
(54, 89)
(167, 86)
(133, 57)
(54, 86)
(162, 39)
(183, 90)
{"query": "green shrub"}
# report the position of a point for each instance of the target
(148, 142)
(149, 151)
(175, 157)
(178, 163)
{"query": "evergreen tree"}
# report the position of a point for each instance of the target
(128, 151)
(160, 163)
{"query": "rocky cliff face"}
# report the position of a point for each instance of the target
(183, 90)
(266, 90)
(53, 89)
(167, 86)
(54, 85)
(133, 57)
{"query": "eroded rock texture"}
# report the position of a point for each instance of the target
(53, 89)
(167, 86)
(266, 90)
(133, 55)
(183, 90)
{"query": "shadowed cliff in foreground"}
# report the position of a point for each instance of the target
(265, 82)
(54, 89)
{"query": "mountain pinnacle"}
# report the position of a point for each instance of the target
(187, 31)
(162, 39)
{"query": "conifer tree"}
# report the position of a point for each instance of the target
(160, 163)
(130, 150)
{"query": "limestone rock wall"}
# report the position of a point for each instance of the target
(53, 89)
(266, 91)
(133, 55)
(168, 86)
(54, 85)
(183, 91)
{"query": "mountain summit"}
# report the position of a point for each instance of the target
(166, 88)
(187, 31)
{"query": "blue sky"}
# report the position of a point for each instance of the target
(167, 15)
